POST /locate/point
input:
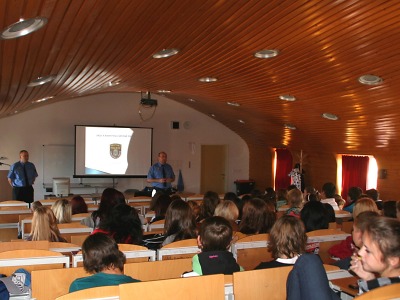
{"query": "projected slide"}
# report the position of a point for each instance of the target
(106, 149)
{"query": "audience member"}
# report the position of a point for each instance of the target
(230, 196)
(287, 241)
(353, 195)
(314, 216)
(295, 199)
(228, 210)
(122, 224)
(328, 195)
(195, 208)
(389, 209)
(210, 202)
(62, 210)
(364, 204)
(109, 198)
(35, 205)
(379, 254)
(78, 205)
(310, 194)
(160, 207)
(374, 195)
(180, 223)
(339, 201)
(281, 198)
(102, 258)
(214, 240)
(256, 217)
(44, 226)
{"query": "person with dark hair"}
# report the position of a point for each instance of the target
(214, 240)
(256, 217)
(160, 206)
(281, 198)
(122, 224)
(295, 199)
(207, 207)
(102, 258)
(379, 254)
(21, 177)
(109, 198)
(314, 216)
(180, 223)
(328, 195)
(353, 195)
(374, 195)
(78, 205)
(287, 241)
(230, 196)
(389, 209)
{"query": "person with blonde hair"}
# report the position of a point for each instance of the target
(44, 226)
(364, 204)
(228, 210)
(62, 209)
(295, 199)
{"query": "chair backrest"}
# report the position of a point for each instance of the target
(100, 293)
(75, 228)
(382, 293)
(31, 259)
(347, 226)
(200, 288)
(13, 203)
(78, 217)
(157, 225)
(258, 284)
(50, 284)
(158, 270)
(79, 239)
(251, 250)
(21, 245)
(133, 253)
(26, 225)
(324, 239)
(64, 247)
(180, 249)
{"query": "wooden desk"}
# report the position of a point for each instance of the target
(343, 284)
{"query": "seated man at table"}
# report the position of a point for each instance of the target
(101, 257)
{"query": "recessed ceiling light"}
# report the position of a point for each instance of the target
(370, 79)
(43, 99)
(23, 27)
(290, 126)
(267, 53)
(163, 91)
(41, 80)
(287, 97)
(208, 79)
(241, 121)
(233, 103)
(166, 53)
(192, 100)
(111, 83)
(212, 115)
(330, 116)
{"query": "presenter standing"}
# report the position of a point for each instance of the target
(161, 174)
(21, 177)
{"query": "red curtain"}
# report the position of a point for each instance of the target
(354, 172)
(284, 163)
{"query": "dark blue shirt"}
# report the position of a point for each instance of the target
(156, 172)
(16, 174)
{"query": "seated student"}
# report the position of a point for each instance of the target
(295, 199)
(228, 210)
(62, 210)
(44, 226)
(122, 224)
(379, 254)
(214, 240)
(315, 216)
(102, 258)
(353, 195)
(389, 209)
(207, 207)
(287, 241)
(35, 205)
(78, 205)
(256, 217)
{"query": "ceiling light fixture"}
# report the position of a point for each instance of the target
(192, 100)
(111, 83)
(41, 80)
(287, 98)
(370, 79)
(290, 126)
(233, 103)
(213, 115)
(267, 53)
(163, 91)
(43, 99)
(330, 116)
(166, 53)
(23, 27)
(208, 79)
(241, 121)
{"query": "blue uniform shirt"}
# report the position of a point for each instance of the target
(156, 172)
(16, 174)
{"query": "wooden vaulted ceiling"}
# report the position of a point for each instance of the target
(324, 46)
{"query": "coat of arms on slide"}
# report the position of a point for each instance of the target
(115, 150)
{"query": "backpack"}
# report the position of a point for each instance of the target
(16, 286)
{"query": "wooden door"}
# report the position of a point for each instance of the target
(213, 167)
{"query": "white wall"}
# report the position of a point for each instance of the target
(54, 124)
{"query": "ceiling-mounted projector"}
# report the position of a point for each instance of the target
(148, 102)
